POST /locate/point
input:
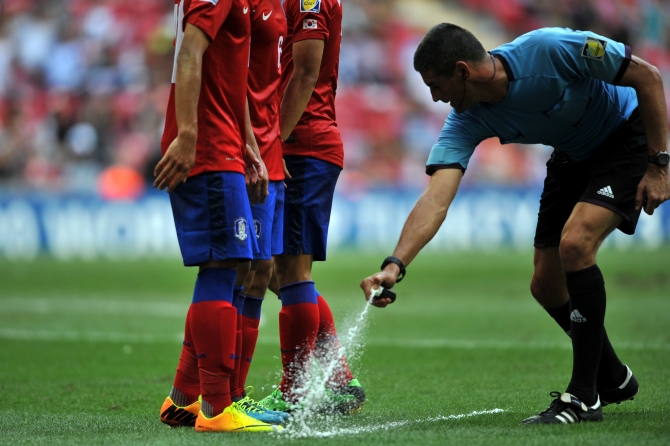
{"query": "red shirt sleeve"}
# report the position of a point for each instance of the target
(207, 15)
(311, 21)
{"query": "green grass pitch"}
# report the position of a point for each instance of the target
(88, 352)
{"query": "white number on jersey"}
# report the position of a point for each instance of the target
(279, 50)
(179, 33)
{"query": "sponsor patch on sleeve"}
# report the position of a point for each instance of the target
(310, 5)
(594, 48)
(309, 24)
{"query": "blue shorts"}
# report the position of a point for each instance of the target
(269, 222)
(309, 199)
(212, 214)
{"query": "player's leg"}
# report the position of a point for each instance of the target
(251, 315)
(181, 407)
(249, 302)
(549, 289)
(268, 228)
(344, 392)
(607, 202)
(305, 195)
(210, 237)
(243, 271)
(307, 216)
(582, 236)
(298, 322)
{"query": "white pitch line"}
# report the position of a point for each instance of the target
(154, 338)
(385, 427)
(97, 306)
(88, 336)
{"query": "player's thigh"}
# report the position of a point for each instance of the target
(291, 268)
(262, 277)
(586, 229)
(212, 217)
(269, 222)
(308, 204)
(617, 167)
(563, 186)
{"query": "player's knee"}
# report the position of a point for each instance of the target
(243, 269)
(264, 270)
(537, 286)
(574, 250)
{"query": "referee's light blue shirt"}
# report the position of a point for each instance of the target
(562, 93)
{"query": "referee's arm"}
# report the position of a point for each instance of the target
(421, 226)
(647, 82)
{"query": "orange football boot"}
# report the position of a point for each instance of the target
(232, 419)
(176, 416)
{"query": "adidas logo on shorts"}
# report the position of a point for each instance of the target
(606, 191)
(576, 316)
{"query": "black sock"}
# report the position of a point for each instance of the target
(587, 326)
(611, 371)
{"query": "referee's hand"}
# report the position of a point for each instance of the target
(176, 164)
(654, 188)
(385, 279)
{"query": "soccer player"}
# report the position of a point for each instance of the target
(268, 31)
(603, 111)
(313, 152)
(203, 168)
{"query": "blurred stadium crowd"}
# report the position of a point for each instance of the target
(84, 86)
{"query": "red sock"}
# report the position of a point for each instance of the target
(328, 347)
(187, 379)
(235, 390)
(213, 325)
(238, 302)
(251, 318)
(298, 325)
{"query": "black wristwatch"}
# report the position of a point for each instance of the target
(397, 261)
(661, 158)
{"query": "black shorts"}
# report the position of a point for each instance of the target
(608, 178)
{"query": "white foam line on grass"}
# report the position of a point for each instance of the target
(152, 338)
(382, 427)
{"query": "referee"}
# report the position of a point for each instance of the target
(603, 111)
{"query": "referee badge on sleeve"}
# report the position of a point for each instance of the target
(594, 48)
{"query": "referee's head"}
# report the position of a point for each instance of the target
(443, 46)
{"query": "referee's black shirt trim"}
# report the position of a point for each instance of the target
(430, 170)
(624, 66)
(505, 64)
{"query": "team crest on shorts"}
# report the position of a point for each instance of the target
(257, 227)
(594, 48)
(241, 231)
(310, 5)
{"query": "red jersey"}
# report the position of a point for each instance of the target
(222, 101)
(316, 134)
(268, 31)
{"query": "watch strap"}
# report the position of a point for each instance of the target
(397, 261)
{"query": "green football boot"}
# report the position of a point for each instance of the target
(276, 402)
(348, 399)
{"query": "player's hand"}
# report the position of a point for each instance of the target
(265, 184)
(654, 188)
(253, 174)
(386, 279)
(174, 167)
